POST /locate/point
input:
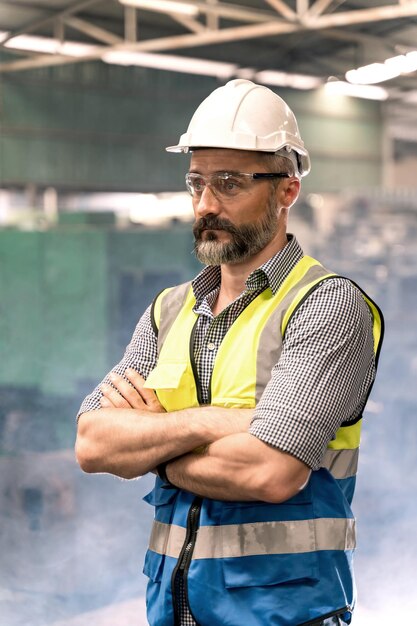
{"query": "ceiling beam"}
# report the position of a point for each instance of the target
(131, 24)
(233, 12)
(59, 30)
(237, 33)
(302, 7)
(229, 11)
(72, 8)
(252, 31)
(362, 16)
(93, 31)
(212, 20)
(190, 24)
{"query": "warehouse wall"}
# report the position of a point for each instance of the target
(85, 283)
(97, 126)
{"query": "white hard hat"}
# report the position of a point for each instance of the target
(244, 116)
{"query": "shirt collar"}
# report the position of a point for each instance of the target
(271, 274)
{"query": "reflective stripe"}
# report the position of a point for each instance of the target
(258, 538)
(341, 463)
(315, 275)
(269, 350)
(167, 539)
(167, 307)
(270, 341)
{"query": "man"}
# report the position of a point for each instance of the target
(257, 374)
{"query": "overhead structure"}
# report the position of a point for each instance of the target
(302, 44)
(319, 38)
(347, 46)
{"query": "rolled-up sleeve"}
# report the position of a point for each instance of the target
(140, 355)
(323, 376)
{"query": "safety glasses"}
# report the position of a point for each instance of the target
(227, 185)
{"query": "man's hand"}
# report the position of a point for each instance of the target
(132, 433)
(122, 394)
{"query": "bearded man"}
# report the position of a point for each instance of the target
(243, 390)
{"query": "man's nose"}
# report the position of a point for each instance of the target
(207, 203)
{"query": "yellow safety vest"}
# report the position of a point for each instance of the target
(245, 358)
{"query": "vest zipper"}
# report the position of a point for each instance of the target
(194, 365)
(180, 572)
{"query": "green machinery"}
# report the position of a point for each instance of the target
(71, 296)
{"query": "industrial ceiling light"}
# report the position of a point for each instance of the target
(371, 74)
(165, 6)
(380, 72)
(32, 43)
(369, 92)
(204, 67)
(47, 45)
(170, 62)
(75, 49)
(284, 79)
(404, 63)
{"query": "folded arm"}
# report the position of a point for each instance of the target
(240, 467)
(320, 381)
(131, 434)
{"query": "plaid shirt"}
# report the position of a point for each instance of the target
(324, 372)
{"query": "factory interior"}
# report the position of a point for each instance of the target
(95, 221)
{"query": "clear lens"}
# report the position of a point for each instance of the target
(195, 184)
(226, 185)
(223, 184)
(230, 185)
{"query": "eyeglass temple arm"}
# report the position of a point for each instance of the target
(271, 175)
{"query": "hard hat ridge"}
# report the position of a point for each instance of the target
(242, 115)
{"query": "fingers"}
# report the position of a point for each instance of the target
(135, 378)
(112, 399)
(121, 393)
(148, 395)
(129, 394)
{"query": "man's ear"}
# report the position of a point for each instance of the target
(289, 191)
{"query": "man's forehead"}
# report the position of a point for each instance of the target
(215, 159)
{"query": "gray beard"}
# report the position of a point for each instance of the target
(247, 239)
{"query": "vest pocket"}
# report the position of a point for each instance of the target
(166, 376)
(174, 384)
(267, 545)
(269, 571)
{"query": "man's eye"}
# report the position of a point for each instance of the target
(230, 184)
(198, 184)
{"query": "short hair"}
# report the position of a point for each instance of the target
(277, 163)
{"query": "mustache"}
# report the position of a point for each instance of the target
(212, 222)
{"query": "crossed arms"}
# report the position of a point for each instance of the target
(322, 379)
(209, 449)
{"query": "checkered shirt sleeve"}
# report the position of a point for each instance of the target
(323, 376)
